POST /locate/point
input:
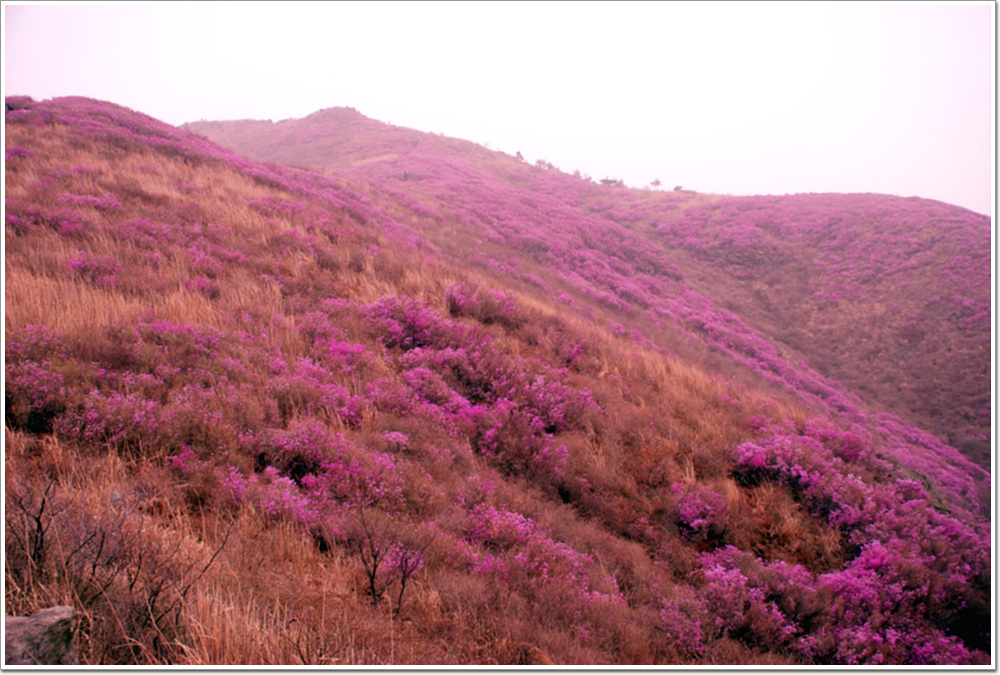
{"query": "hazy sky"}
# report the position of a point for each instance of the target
(740, 98)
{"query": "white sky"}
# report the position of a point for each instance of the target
(741, 98)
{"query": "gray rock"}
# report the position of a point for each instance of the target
(44, 638)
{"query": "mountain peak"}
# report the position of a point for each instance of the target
(335, 113)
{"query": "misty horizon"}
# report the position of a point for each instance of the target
(726, 98)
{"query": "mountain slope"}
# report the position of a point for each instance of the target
(889, 296)
(260, 415)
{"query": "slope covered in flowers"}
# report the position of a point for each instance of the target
(259, 415)
(890, 295)
(887, 296)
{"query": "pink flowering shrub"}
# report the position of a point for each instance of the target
(340, 356)
(519, 554)
(298, 450)
(309, 473)
(202, 285)
(276, 496)
(35, 390)
(880, 615)
(516, 442)
(183, 462)
(478, 488)
(308, 389)
(356, 479)
(34, 394)
(182, 345)
(514, 410)
(397, 441)
(146, 232)
(112, 420)
(877, 519)
(431, 387)
(204, 263)
(35, 342)
(701, 512)
(499, 528)
(16, 152)
(680, 621)
(67, 222)
(102, 270)
(272, 206)
(474, 371)
(486, 305)
(406, 323)
(105, 202)
(233, 485)
(742, 610)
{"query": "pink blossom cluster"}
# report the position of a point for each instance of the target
(105, 202)
(700, 509)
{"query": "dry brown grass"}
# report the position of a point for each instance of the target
(269, 598)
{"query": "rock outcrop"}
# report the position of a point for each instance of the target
(44, 638)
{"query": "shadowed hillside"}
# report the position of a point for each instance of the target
(437, 407)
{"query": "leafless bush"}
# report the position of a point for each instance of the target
(129, 581)
(387, 552)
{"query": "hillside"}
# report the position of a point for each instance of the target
(888, 296)
(438, 407)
